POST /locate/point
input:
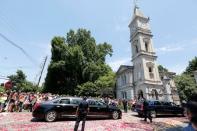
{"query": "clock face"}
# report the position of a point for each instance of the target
(143, 24)
(133, 29)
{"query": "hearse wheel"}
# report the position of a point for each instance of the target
(50, 116)
(115, 115)
(153, 114)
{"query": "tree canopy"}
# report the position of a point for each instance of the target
(103, 86)
(20, 83)
(162, 69)
(186, 86)
(76, 59)
(185, 82)
(192, 66)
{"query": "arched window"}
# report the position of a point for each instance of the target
(155, 94)
(136, 49)
(140, 94)
(146, 46)
(150, 69)
(125, 79)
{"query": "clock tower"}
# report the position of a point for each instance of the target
(147, 82)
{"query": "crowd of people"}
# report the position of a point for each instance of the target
(13, 101)
(124, 104)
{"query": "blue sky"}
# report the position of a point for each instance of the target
(33, 23)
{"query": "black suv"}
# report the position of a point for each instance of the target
(65, 107)
(160, 108)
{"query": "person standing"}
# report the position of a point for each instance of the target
(81, 114)
(106, 100)
(21, 101)
(191, 109)
(125, 103)
(147, 111)
(2, 101)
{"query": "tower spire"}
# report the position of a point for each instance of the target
(136, 10)
(135, 5)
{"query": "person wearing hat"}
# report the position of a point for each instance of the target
(191, 109)
(81, 114)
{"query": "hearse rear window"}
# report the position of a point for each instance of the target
(91, 102)
(65, 101)
(157, 103)
(75, 101)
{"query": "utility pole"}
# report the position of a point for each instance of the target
(42, 70)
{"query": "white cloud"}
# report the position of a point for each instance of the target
(178, 46)
(178, 69)
(169, 49)
(116, 64)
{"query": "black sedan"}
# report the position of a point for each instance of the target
(160, 108)
(65, 107)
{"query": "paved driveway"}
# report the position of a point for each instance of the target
(129, 122)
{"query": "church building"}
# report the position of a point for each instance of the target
(143, 80)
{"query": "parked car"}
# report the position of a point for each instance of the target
(160, 108)
(65, 107)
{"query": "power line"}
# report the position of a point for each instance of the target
(20, 48)
(10, 25)
(4, 78)
(5, 20)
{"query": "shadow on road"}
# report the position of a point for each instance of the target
(69, 119)
(161, 116)
(160, 126)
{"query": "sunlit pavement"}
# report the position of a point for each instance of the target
(129, 122)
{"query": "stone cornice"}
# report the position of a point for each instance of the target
(148, 54)
(141, 31)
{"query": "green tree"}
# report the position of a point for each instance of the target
(106, 84)
(87, 89)
(18, 79)
(162, 69)
(2, 89)
(185, 82)
(103, 86)
(76, 59)
(192, 66)
(186, 86)
(20, 83)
